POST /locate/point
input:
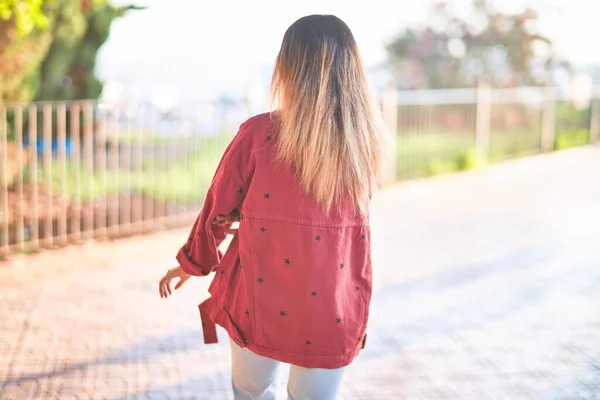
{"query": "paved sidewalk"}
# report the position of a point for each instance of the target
(487, 286)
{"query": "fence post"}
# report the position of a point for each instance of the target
(548, 118)
(594, 121)
(21, 158)
(88, 163)
(75, 129)
(483, 120)
(390, 119)
(4, 210)
(61, 122)
(34, 212)
(47, 168)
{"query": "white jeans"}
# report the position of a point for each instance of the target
(254, 376)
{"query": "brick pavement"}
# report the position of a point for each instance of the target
(487, 286)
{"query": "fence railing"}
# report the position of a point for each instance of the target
(449, 130)
(73, 171)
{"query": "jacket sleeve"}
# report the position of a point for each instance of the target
(200, 255)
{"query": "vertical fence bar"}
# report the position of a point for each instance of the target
(202, 141)
(406, 140)
(185, 149)
(61, 122)
(88, 160)
(483, 120)
(161, 165)
(100, 171)
(148, 214)
(179, 153)
(113, 165)
(472, 118)
(75, 129)
(402, 143)
(548, 119)
(192, 148)
(420, 153)
(33, 179)
(426, 130)
(412, 138)
(136, 183)
(125, 163)
(4, 218)
(20, 160)
(415, 137)
(170, 199)
(390, 119)
(47, 164)
(594, 121)
(195, 150)
(152, 169)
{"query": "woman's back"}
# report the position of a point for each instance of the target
(307, 272)
(294, 284)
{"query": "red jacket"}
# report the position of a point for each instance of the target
(294, 284)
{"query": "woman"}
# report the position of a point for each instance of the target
(294, 285)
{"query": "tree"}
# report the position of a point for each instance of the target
(454, 51)
(67, 71)
(48, 48)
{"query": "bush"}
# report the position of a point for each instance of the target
(440, 167)
(571, 138)
(470, 159)
(570, 118)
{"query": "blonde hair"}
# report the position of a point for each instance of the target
(328, 125)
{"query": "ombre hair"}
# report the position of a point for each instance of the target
(328, 125)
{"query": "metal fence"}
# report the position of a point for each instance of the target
(70, 172)
(450, 130)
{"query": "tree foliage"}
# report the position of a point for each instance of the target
(67, 72)
(52, 56)
(454, 50)
(27, 15)
(21, 53)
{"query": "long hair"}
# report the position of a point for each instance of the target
(328, 126)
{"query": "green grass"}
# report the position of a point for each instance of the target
(505, 145)
(430, 154)
(434, 154)
(182, 180)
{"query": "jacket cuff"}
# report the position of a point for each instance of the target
(187, 265)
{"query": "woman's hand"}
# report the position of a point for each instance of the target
(224, 220)
(164, 286)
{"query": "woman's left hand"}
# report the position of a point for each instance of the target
(164, 286)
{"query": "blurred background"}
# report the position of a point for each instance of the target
(114, 115)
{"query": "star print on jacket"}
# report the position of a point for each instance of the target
(288, 299)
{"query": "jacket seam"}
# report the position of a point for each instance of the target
(305, 222)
